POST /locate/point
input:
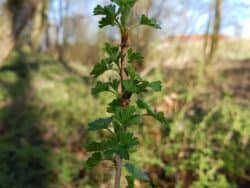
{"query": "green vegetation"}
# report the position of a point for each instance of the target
(121, 142)
(45, 109)
(47, 113)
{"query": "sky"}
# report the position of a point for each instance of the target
(235, 14)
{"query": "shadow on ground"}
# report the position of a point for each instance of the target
(24, 157)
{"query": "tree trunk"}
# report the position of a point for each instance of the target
(6, 37)
(216, 32)
(39, 23)
(60, 32)
(207, 34)
(16, 16)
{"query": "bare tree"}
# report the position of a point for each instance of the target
(215, 36)
(40, 22)
(16, 16)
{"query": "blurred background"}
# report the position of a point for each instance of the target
(202, 54)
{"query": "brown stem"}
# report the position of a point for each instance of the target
(123, 100)
(118, 171)
(124, 47)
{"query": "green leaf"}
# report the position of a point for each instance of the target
(94, 160)
(101, 67)
(149, 21)
(115, 84)
(157, 115)
(113, 52)
(98, 124)
(127, 140)
(156, 86)
(105, 87)
(142, 104)
(111, 49)
(129, 3)
(100, 87)
(113, 106)
(130, 86)
(130, 181)
(136, 173)
(135, 86)
(134, 56)
(133, 74)
(109, 13)
(123, 153)
(127, 116)
(120, 144)
(125, 7)
(99, 10)
(94, 146)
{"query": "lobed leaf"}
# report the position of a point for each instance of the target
(157, 115)
(99, 124)
(136, 173)
(149, 22)
(109, 13)
(127, 116)
(130, 181)
(133, 74)
(115, 84)
(120, 144)
(125, 7)
(135, 86)
(156, 86)
(94, 160)
(100, 87)
(113, 52)
(101, 67)
(94, 146)
(134, 56)
(113, 106)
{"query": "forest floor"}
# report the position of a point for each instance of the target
(45, 106)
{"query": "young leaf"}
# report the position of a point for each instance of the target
(123, 153)
(130, 181)
(130, 86)
(94, 160)
(127, 140)
(94, 146)
(136, 173)
(129, 3)
(113, 52)
(127, 116)
(135, 86)
(109, 13)
(156, 86)
(99, 10)
(149, 21)
(111, 49)
(134, 56)
(120, 144)
(115, 84)
(142, 104)
(157, 115)
(101, 67)
(133, 74)
(125, 7)
(98, 124)
(100, 87)
(113, 106)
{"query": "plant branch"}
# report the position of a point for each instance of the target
(124, 47)
(118, 170)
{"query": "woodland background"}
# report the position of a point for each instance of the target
(202, 53)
